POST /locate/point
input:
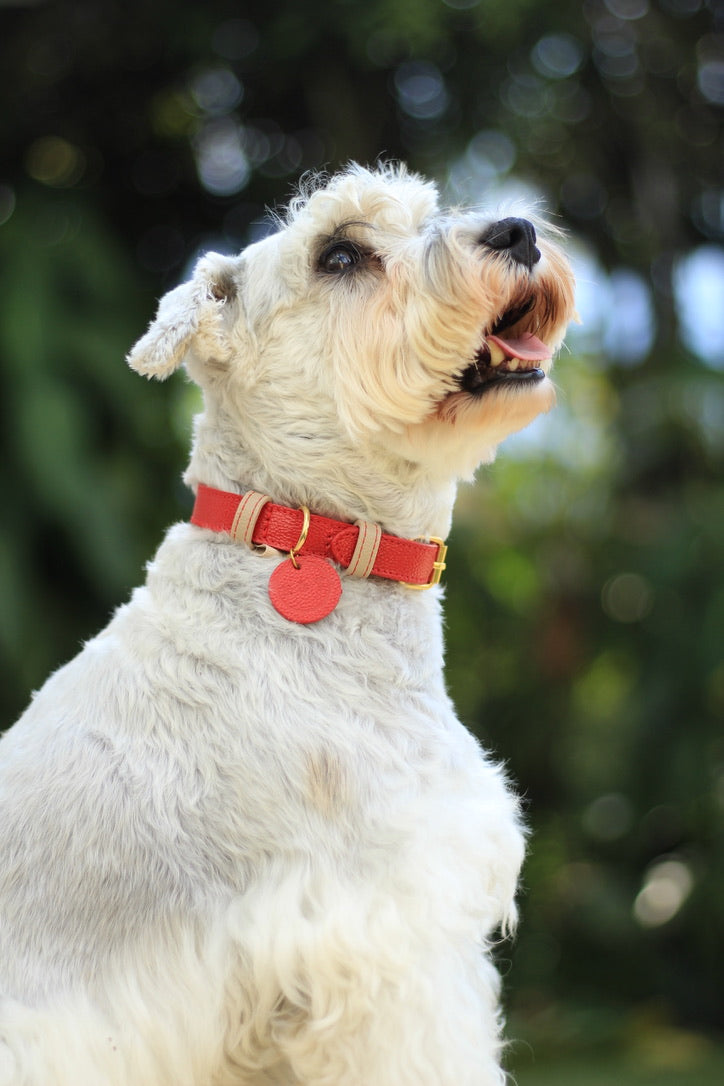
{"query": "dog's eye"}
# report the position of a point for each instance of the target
(340, 257)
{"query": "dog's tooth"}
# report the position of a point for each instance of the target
(497, 354)
(513, 363)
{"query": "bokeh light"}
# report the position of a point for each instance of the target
(667, 884)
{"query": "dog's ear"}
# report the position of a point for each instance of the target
(189, 319)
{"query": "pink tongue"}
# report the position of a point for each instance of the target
(527, 347)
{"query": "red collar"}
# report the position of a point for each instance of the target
(362, 549)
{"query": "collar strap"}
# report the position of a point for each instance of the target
(362, 549)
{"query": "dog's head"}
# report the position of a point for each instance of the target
(372, 319)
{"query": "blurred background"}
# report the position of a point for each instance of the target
(586, 583)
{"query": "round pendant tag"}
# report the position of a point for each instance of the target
(305, 592)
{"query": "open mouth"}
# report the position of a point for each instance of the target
(506, 359)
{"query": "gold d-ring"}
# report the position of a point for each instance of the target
(302, 536)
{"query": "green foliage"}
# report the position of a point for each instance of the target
(680, 1062)
(78, 434)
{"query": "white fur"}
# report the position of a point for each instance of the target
(236, 850)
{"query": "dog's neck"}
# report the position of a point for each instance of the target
(370, 485)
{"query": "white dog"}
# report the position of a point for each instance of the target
(243, 837)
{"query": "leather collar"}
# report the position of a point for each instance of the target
(362, 549)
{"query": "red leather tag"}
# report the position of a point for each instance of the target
(305, 592)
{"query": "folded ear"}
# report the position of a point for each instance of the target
(189, 318)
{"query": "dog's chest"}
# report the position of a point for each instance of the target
(326, 729)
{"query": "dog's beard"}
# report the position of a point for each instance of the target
(508, 372)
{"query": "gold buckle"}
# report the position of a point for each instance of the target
(437, 566)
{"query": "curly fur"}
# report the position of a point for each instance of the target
(235, 850)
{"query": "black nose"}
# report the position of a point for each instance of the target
(514, 236)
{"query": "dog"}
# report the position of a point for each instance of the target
(244, 838)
